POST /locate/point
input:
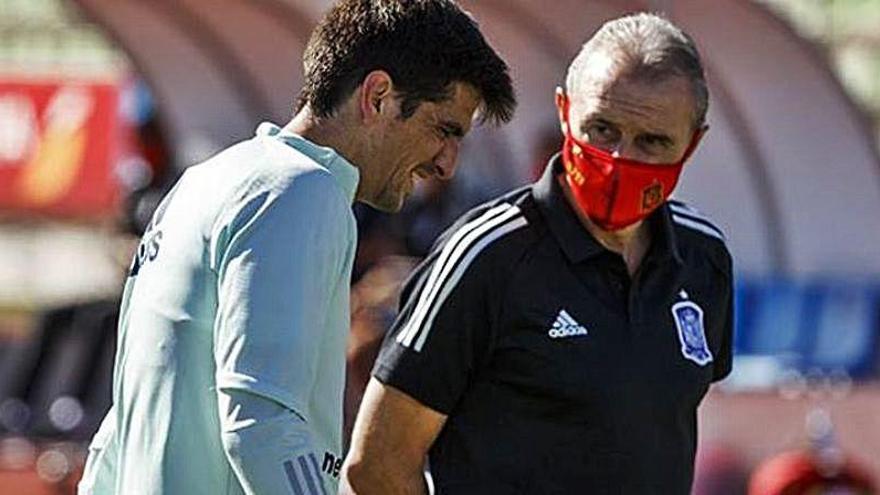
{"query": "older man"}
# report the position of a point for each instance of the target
(230, 370)
(560, 338)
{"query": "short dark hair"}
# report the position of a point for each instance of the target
(424, 45)
(650, 47)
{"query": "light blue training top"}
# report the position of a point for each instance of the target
(230, 364)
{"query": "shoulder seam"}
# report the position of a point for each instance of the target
(456, 256)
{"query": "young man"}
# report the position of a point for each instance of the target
(560, 338)
(230, 370)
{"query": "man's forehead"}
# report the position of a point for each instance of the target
(611, 86)
(461, 107)
(593, 72)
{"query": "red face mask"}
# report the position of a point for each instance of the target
(616, 192)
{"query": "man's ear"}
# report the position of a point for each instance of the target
(376, 93)
(562, 108)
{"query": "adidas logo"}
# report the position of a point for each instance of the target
(565, 326)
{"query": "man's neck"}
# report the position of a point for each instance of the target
(631, 242)
(336, 133)
(329, 132)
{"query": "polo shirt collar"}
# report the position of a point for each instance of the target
(346, 174)
(576, 241)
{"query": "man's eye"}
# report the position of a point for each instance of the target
(655, 142)
(601, 129)
(601, 133)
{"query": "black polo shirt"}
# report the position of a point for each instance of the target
(559, 372)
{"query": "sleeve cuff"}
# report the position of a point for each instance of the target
(391, 377)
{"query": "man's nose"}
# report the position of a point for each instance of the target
(620, 149)
(447, 160)
(625, 149)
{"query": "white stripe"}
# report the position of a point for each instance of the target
(560, 321)
(461, 268)
(692, 213)
(687, 222)
(441, 267)
(688, 212)
(680, 207)
(448, 257)
(427, 298)
(704, 223)
(564, 314)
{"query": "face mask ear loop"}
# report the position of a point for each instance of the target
(564, 104)
(565, 115)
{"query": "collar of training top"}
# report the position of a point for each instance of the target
(576, 241)
(346, 174)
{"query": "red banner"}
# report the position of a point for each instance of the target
(59, 142)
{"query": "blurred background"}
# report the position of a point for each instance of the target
(104, 102)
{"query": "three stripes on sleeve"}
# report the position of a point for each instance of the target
(305, 474)
(453, 261)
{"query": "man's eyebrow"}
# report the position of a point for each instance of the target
(452, 128)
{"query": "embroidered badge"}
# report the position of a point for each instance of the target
(652, 196)
(689, 321)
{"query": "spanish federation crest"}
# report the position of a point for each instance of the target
(652, 196)
(689, 321)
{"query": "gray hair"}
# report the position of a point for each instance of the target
(646, 46)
